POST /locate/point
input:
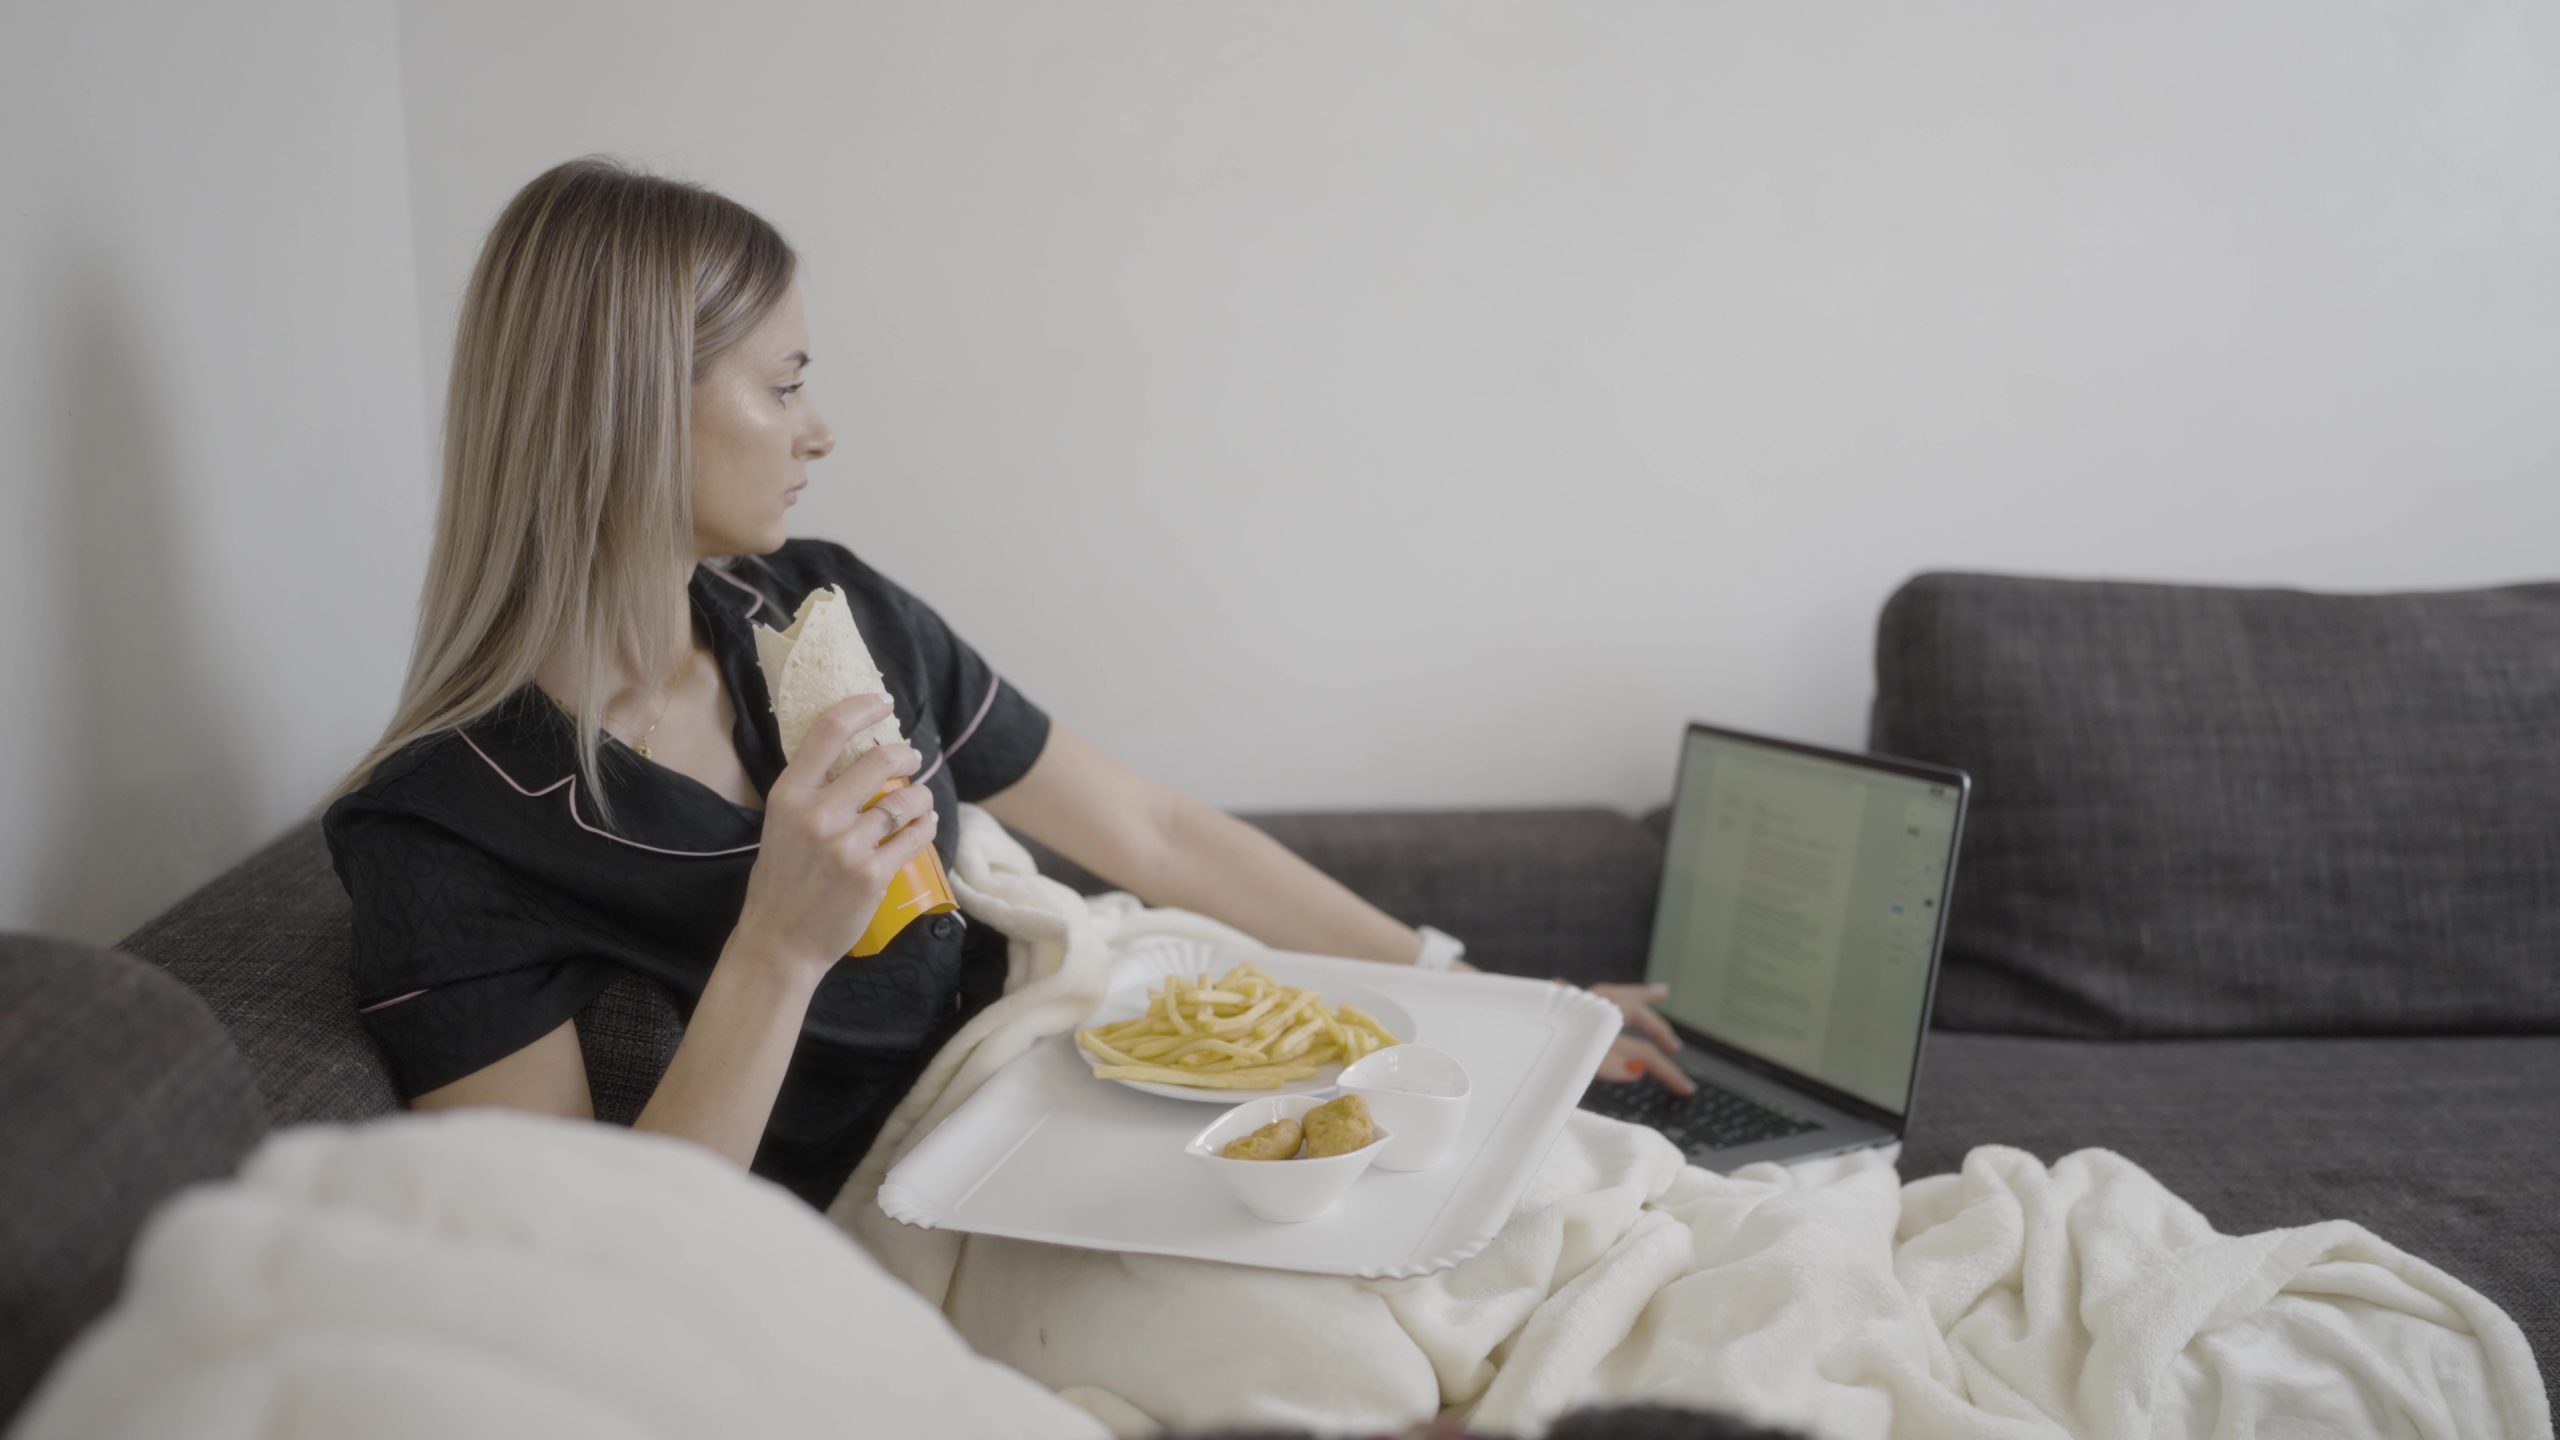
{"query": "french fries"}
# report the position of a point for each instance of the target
(1241, 1031)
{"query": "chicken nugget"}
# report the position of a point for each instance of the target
(1275, 1141)
(1339, 1126)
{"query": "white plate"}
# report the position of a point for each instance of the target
(1129, 1001)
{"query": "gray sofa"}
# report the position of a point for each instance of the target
(2261, 889)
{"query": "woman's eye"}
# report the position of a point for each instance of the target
(786, 391)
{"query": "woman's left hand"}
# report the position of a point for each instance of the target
(1643, 1047)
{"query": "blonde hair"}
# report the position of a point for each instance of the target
(601, 296)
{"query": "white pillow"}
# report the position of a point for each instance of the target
(490, 1273)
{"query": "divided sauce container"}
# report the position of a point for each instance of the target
(1417, 1097)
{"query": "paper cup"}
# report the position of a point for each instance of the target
(920, 888)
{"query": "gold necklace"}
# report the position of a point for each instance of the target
(640, 746)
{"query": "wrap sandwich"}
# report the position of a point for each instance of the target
(821, 661)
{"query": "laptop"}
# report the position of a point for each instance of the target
(1803, 901)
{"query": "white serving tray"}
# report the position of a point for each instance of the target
(1046, 1152)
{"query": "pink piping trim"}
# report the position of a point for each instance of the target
(394, 1000)
(954, 747)
(571, 780)
(743, 585)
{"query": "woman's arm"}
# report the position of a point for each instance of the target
(720, 1085)
(1170, 849)
(1227, 869)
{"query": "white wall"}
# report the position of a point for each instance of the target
(1416, 403)
(1391, 404)
(209, 432)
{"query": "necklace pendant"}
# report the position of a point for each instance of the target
(643, 749)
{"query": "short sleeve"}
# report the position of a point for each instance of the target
(991, 732)
(459, 960)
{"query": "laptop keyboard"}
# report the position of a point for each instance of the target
(1713, 1119)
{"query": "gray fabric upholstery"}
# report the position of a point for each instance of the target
(266, 944)
(1565, 893)
(2213, 811)
(120, 1088)
(627, 1035)
(2441, 1146)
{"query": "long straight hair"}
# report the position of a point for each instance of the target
(601, 297)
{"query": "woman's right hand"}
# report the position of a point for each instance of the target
(826, 859)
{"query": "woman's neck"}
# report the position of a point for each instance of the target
(624, 688)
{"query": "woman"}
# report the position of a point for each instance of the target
(583, 775)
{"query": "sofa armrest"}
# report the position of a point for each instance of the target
(120, 1088)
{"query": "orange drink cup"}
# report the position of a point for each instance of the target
(920, 888)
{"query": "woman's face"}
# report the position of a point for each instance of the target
(755, 430)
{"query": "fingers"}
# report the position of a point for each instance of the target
(902, 809)
(859, 787)
(904, 845)
(826, 739)
(853, 804)
(1632, 1000)
(1655, 1027)
(879, 841)
(1632, 1058)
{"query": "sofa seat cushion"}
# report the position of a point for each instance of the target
(2442, 1146)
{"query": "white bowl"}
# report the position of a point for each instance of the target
(1419, 1093)
(1283, 1190)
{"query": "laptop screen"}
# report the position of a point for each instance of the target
(1798, 917)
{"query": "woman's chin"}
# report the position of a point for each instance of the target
(761, 542)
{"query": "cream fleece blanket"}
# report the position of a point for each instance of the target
(2012, 1301)
(503, 1276)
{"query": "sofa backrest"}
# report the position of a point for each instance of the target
(119, 1088)
(268, 944)
(2202, 810)
(1561, 892)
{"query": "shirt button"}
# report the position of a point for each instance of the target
(942, 927)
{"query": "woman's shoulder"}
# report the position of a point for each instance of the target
(400, 778)
(437, 777)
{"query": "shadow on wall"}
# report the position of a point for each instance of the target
(152, 799)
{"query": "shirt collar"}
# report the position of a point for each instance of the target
(530, 745)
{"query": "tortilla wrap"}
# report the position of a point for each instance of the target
(821, 662)
(818, 663)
